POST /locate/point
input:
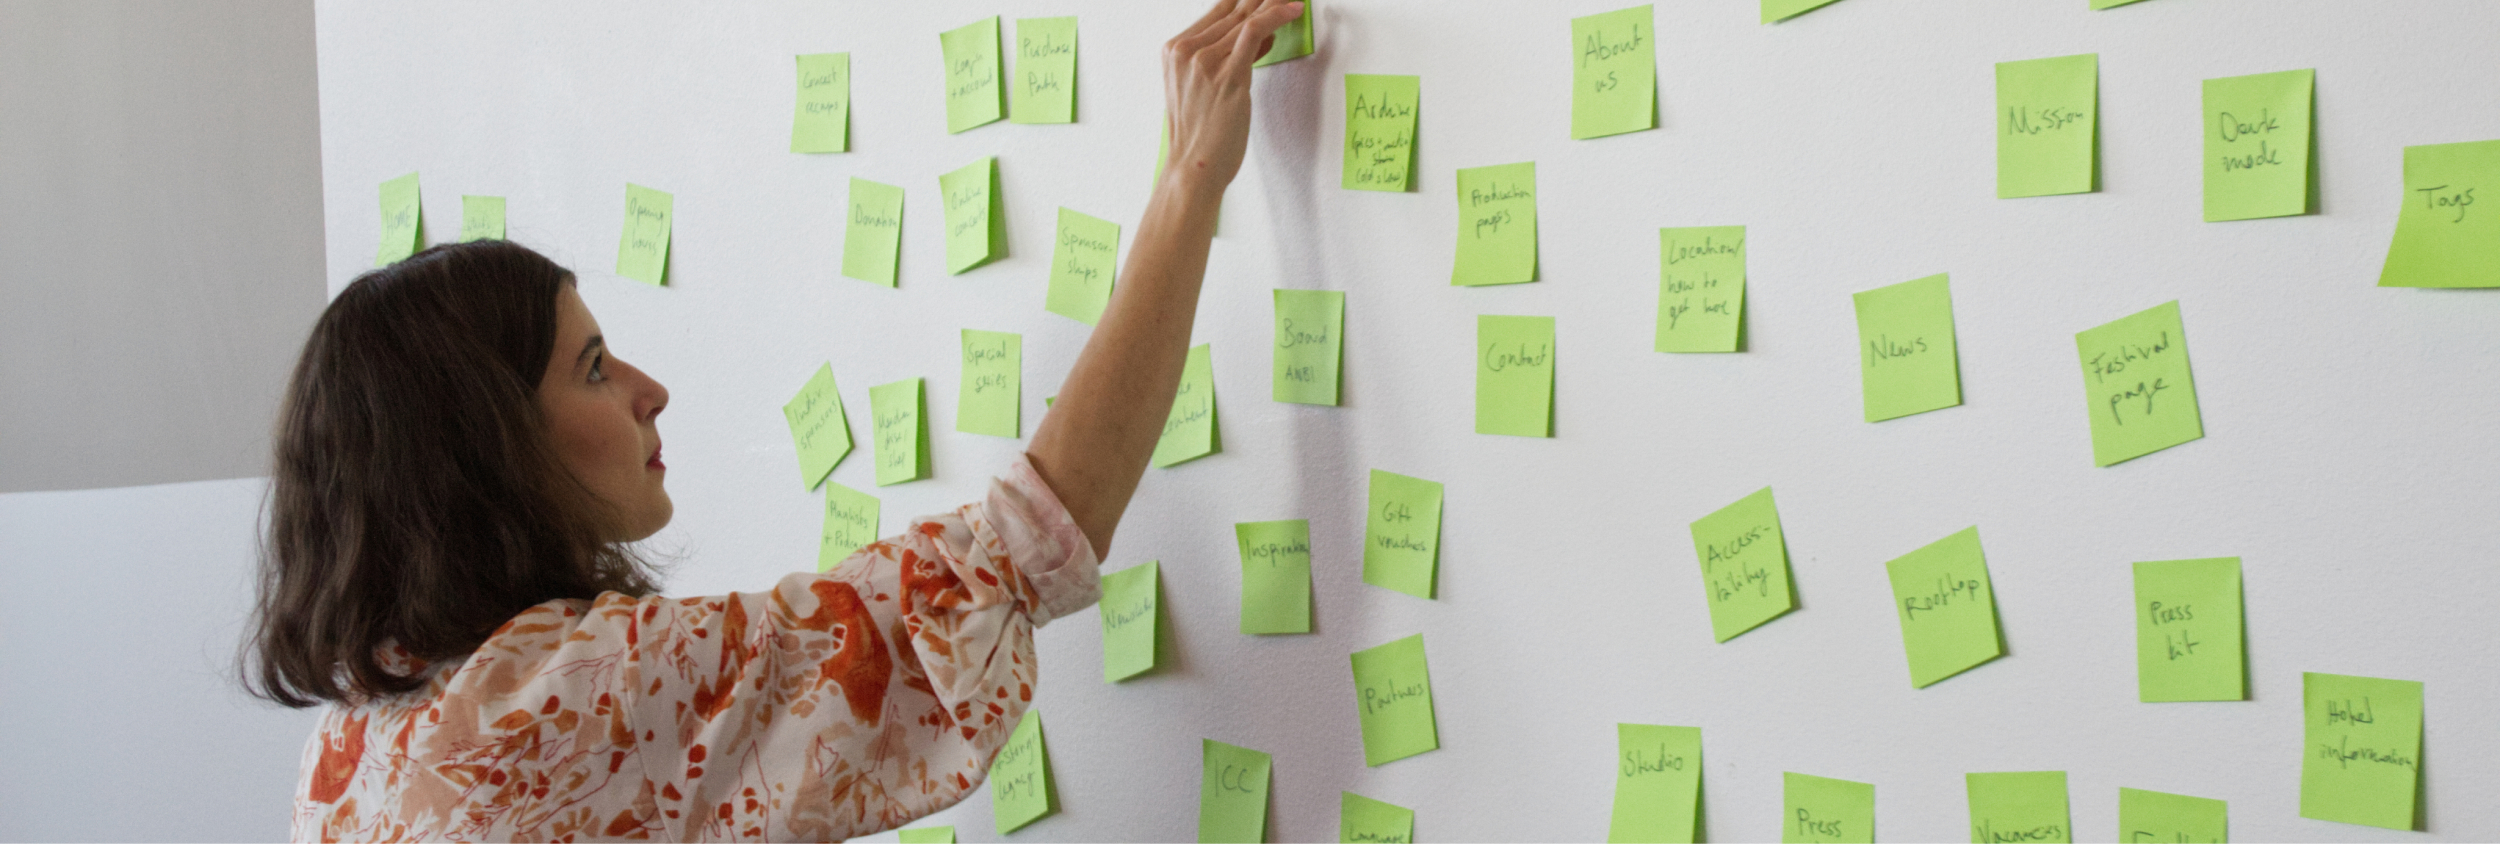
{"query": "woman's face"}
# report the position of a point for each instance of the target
(601, 413)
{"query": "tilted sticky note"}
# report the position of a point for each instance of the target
(1701, 289)
(403, 221)
(1744, 564)
(974, 95)
(1614, 73)
(992, 398)
(1131, 599)
(1293, 40)
(976, 215)
(481, 218)
(1496, 225)
(1826, 811)
(1402, 534)
(818, 427)
(2018, 806)
(1947, 608)
(2112, 4)
(1515, 375)
(1657, 784)
(1905, 349)
(1084, 259)
(1232, 793)
(850, 525)
(2140, 393)
(1310, 341)
(1361, 818)
(872, 233)
(1275, 576)
(925, 835)
(1044, 90)
(2364, 749)
(1190, 432)
(1020, 789)
(642, 251)
(2257, 137)
(1393, 700)
(2188, 631)
(2441, 241)
(821, 122)
(2162, 816)
(1780, 10)
(1380, 131)
(2048, 126)
(900, 411)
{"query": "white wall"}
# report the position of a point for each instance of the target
(2347, 456)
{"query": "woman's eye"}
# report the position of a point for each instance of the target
(597, 372)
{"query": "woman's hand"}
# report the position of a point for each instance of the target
(1206, 89)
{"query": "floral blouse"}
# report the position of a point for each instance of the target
(834, 705)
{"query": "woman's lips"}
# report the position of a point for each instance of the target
(654, 462)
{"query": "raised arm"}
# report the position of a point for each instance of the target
(1093, 446)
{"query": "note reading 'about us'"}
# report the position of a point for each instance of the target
(1275, 576)
(1515, 375)
(1045, 82)
(1020, 788)
(2048, 126)
(1310, 345)
(872, 233)
(1701, 289)
(974, 95)
(976, 215)
(1232, 793)
(1947, 608)
(1906, 358)
(1657, 784)
(2162, 816)
(2258, 131)
(2139, 390)
(850, 525)
(1084, 259)
(1744, 565)
(403, 221)
(1402, 534)
(1190, 431)
(2019, 806)
(1822, 810)
(2364, 749)
(481, 218)
(1380, 131)
(1614, 73)
(642, 251)
(821, 122)
(1393, 701)
(1361, 818)
(1496, 225)
(900, 411)
(2441, 239)
(2188, 631)
(818, 427)
(1131, 602)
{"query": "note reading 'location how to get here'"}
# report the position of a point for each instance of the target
(1701, 289)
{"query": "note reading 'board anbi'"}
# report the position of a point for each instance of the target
(1906, 356)
(1232, 793)
(1657, 784)
(1361, 818)
(1393, 701)
(1515, 375)
(1190, 432)
(2048, 126)
(1701, 289)
(1947, 608)
(1496, 225)
(976, 215)
(2162, 816)
(1045, 86)
(1380, 131)
(642, 250)
(900, 413)
(2258, 131)
(1310, 345)
(2141, 394)
(1275, 576)
(1020, 788)
(1131, 603)
(1822, 810)
(818, 427)
(2441, 239)
(1744, 565)
(850, 525)
(2363, 746)
(974, 95)
(1614, 73)
(2189, 635)
(872, 233)
(403, 221)
(1084, 259)
(821, 121)
(481, 218)
(991, 400)
(2019, 806)
(1402, 534)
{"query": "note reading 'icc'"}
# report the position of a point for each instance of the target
(1232, 794)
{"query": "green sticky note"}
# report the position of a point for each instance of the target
(481, 218)
(974, 94)
(1045, 86)
(403, 221)
(821, 122)
(1232, 793)
(925, 835)
(2188, 631)
(1361, 818)
(1701, 289)
(1614, 73)
(1905, 349)
(1496, 225)
(1084, 260)
(2112, 4)
(2048, 126)
(2257, 137)
(976, 215)
(642, 251)
(1131, 598)
(1190, 431)
(2441, 241)
(1780, 10)
(1310, 339)
(2139, 391)
(1020, 790)
(872, 236)
(1657, 784)
(1948, 609)
(1744, 564)
(1293, 40)
(901, 414)
(818, 427)
(850, 525)
(2364, 748)
(2162, 816)
(2018, 806)
(1393, 698)
(1380, 131)
(1275, 576)
(1821, 809)
(1402, 534)
(992, 399)
(1515, 375)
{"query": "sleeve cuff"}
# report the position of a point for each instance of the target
(1049, 550)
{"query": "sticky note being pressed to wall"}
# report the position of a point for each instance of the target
(1275, 576)
(1826, 811)
(1361, 818)
(1780, 10)
(1393, 699)
(1947, 608)
(1744, 564)
(2141, 394)
(821, 122)
(1614, 73)
(642, 251)
(2162, 816)
(1657, 784)
(2048, 126)
(1701, 288)
(1083, 261)
(1232, 794)
(2257, 134)
(1905, 349)
(976, 215)
(992, 398)
(818, 427)
(2188, 631)
(1310, 343)
(2112, 4)
(2018, 806)
(925, 835)
(403, 221)
(1293, 40)
(2363, 759)
(850, 525)
(1131, 597)
(1380, 131)
(872, 233)
(1020, 791)
(1496, 225)
(1045, 84)
(974, 95)
(1402, 534)
(481, 218)
(2442, 240)
(1190, 432)
(901, 414)
(1515, 375)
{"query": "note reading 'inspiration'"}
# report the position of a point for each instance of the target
(1275, 576)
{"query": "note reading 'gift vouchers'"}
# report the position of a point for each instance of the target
(2442, 240)
(1020, 790)
(818, 427)
(1496, 225)
(1402, 534)
(821, 122)
(850, 525)
(900, 413)
(2162, 816)
(1190, 431)
(1780, 10)
(1393, 700)
(2257, 134)
(1083, 261)
(2139, 391)
(1045, 86)
(1275, 576)
(974, 94)
(642, 251)
(403, 221)
(976, 215)
(992, 398)
(872, 232)
(1906, 358)
(2188, 631)
(481, 218)
(1232, 793)
(1614, 73)
(1657, 784)
(1701, 288)
(1515, 375)
(1361, 818)
(1826, 811)
(2048, 126)
(2018, 806)
(1131, 601)
(2364, 749)
(1310, 344)
(1947, 608)
(1380, 131)
(1292, 41)
(1744, 564)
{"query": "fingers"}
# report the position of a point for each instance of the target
(1216, 26)
(1250, 40)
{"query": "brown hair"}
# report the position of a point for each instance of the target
(416, 498)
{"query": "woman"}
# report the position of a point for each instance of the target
(461, 466)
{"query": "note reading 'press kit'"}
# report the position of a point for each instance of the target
(1402, 534)
(1190, 431)
(1822, 810)
(900, 411)
(976, 215)
(1310, 345)
(2048, 126)
(821, 122)
(1380, 131)
(974, 95)
(2189, 636)
(2362, 763)
(1393, 701)
(1131, 603)
(1614, 73)
(850, 525)
(1947, 608)
(2441, 239)
(1496, 225)
(872, 232)
(1744, 565)
(1084, 259)
(2139, 391)
(1701, 289)
(2258, 131)
(1361, 818)
(403, 221)
(1020, 788)
(1275, 576)
(481, 218)
(1515, 375)
(1657, 784)
(818, 427)
(1045, 84)
(642, 251)
(2162, 816)
(2019, 806)
(1232, 793)
(1906, 358)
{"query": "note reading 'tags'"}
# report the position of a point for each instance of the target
(1947, 607)
(2139, 390)
(1906, 358)
(1380, 131)
(2019, 806)
(1614, 73)
(974, 95)
(1701, 288)
(2364, 748)
(2257, 134)
(2442, 240)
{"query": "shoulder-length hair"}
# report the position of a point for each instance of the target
(416, 498)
